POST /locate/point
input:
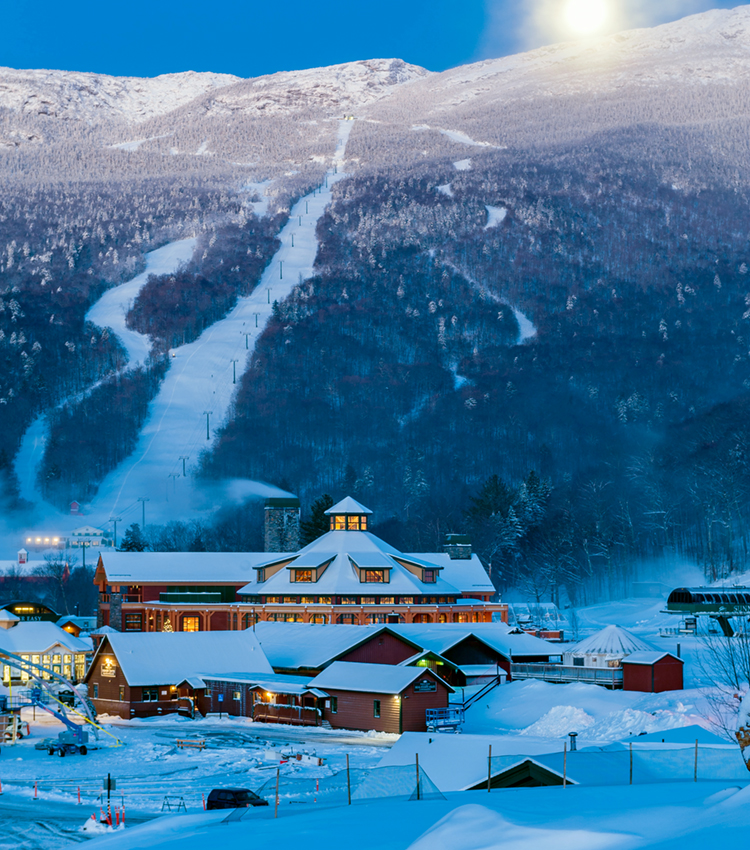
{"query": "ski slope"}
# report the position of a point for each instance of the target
(112, 308)
(204, 377)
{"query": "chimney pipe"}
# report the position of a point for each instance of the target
(573, 736)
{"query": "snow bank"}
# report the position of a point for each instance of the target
(462, 165)
(495, 216)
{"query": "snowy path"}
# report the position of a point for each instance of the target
(202, 378)
(112, 308)
(109, 311)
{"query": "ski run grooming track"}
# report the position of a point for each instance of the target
(201, 376)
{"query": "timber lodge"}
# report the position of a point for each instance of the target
(346, 576)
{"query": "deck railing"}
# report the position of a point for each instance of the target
(610, 677)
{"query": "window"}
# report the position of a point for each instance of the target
(290, 600)
(376, 708)
(191, 624)
(308, 600)
(150, 694)
(261, 575)
(338, 523)
(273, 600)
(133, 622)
(96, 691)
(368, 600)
(334, 705)
(122, 693)
(375, 575)
(236, 695)
(348, 600)
(324, 600)
(208, 692)
(428, 575)
(352, 523)
(303, 575)
(387, 600)
(407, 600)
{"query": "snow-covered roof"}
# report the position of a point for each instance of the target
(467, 574)
(159, 658)
(8, 617)
(648, 657)
(104, 630)
(441, 637)
(13, 568)
(338, 556)
(310, 646)
(36, 637)
(182, 567)
(348, 506)
(612, 641)
(370, 678)
(457, 762)
(275, 683)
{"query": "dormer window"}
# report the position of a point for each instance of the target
(377, 576)
(429, 576)
(302, 575)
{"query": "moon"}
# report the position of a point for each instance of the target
(586, 17)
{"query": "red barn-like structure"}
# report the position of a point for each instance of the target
(652, 672)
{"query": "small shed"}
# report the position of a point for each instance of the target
(652, 672)
(604, 649)
(380, 697)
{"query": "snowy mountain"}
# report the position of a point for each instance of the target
(97, 98)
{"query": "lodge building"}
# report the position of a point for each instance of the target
(346, 576)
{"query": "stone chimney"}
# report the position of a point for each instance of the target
(115, 611)
(282, 524)
(457, 547)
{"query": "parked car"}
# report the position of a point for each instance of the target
(233, 798)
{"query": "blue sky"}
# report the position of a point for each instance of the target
(149, 37)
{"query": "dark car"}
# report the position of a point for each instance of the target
(233, 798)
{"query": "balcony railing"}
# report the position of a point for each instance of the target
(610, 677)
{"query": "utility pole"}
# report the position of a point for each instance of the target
(300, 221)
(234, 371)
(183, 458)
(115, 520)
(307, 208)
(281, 270)
(143, 511)
(207, 414)
(269, 295)
(292, 240)
(256, 323)
(247, 334)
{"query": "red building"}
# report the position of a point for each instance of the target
(652, 672)
(380, 697)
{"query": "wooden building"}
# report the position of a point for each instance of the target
(42, 643)
(380, 697)
(136, 675)
(652, 672)
(346, 576)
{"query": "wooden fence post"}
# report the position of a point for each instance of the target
(276, 809)
(631, 763)
(417, 757)
(489, 771)
(348, 782)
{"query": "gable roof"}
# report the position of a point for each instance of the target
(182, 567)
(348, 506)
(371, 678)
(159, 658)
(38, 636)
(311, 646)
(650, 657)
(441, 638)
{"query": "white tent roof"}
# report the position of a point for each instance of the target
(166, 658)
(348, 506)
(611, 640)
(370, 678)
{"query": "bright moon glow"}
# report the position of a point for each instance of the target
(586, 17)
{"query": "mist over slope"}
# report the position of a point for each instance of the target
(599, 188)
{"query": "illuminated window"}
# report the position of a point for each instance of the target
(303, 575)
(339, 523)
(407, 600)
(352, 523)
(191, 624)
(273, 600)
(133, 622)
(387, 600)
(375, 576)
(348, 600)
(324, 600)
(290, 600)
(122, 693)
(236, 695)
(308, 600)
(368, 600)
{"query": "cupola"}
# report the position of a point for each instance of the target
(348, 515)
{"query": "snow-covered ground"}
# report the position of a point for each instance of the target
(112, 308)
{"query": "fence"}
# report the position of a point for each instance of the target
(634, 765)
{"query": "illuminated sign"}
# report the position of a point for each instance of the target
(109, 667)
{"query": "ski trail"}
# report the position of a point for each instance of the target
(112, 308)
(202, 379)
(109, 311)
